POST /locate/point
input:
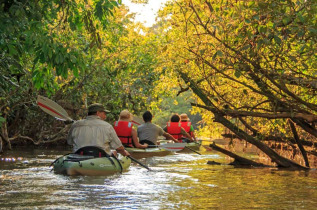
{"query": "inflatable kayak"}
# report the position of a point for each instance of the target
(148, 152)
(74, 164)
(188, 146)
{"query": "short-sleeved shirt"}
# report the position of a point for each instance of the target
(149, 131)
(93, 131)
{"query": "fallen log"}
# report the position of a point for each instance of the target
(238, 160)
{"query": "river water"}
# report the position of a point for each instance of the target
(179, 181)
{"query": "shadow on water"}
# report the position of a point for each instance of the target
(179, 181)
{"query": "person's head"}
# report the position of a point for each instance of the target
(98, 109)
(125, 115)
(184, 117)
(147, 116)
(175, 118)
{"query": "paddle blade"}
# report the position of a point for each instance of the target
(52, 108)
(137, 121)
(173, 147)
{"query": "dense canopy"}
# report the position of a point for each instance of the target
(248, 67)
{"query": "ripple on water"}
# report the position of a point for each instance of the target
(180, 181)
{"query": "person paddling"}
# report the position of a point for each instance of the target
(174, 128)
(125, 131)
(149, 132)
(94, 132)
(187, 125)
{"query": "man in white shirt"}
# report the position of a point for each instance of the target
(94, 131)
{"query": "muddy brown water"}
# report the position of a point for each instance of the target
(178, 181)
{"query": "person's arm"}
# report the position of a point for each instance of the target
(136, 140)
(193, 132)
(122, 151)
(115, 142)
(169, 137)
(186, 134)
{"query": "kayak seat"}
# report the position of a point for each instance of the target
(92, 151)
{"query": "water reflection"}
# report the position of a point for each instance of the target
(180, 181)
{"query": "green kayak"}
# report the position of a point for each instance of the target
(74, 164)
(147, 152)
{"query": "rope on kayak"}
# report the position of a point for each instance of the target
(57, 160)
(121, 168)
(111, 161)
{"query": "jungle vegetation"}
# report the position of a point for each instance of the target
(247, 67)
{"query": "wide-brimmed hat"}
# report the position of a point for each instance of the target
(184, 117)
(125, 115)
(97, 107)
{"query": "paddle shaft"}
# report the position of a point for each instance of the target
(192, 150)
(141, 164)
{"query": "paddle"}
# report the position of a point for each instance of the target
(173, 147)
(212, 140)
(192, 150)
(137, 121)
(141, 164)
(53, 109)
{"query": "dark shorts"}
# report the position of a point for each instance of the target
(185, 140)
(146, 142)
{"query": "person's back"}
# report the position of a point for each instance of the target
(91, 131)
(125, 131)
(94, 131)
(174, 128)
(187, 125)
(149, 132)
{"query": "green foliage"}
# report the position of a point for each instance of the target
(36, 38)
(245, 55)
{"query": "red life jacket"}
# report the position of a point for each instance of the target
(124, 132)
(174, 128)
(186, 125)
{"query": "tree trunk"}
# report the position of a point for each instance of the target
(300, 146)
(238, 160)
(4, 135)
(1, 143)
(219, 117)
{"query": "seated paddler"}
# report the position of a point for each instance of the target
(187, 125)
(174, 127)
(93, 135)
(149, 132)
(125, 131)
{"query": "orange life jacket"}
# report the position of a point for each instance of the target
(124, 132)
(174, 128)
(186, 126)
